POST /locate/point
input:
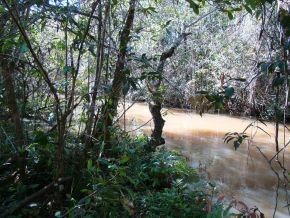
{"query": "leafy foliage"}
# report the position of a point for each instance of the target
(64, 67)
(140, 184)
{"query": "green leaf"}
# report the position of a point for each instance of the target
(90, 165)
(264, 67)
(23, 48)
(92, 50)
(133, 85)
(40, 138)
(258, 14)
(230, 15)
(194, 6)
(218, 100)
(236, 144)
(57, 214)
(126, 87)
(166, 24)
(67, 69)
(229, 92)
(227, 211)
(248, 9)
(287, 45)
(2, 9)
(114, 2)
(285, 19)
(278, 81)
(124, 159)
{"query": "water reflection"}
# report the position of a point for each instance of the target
(243, 173)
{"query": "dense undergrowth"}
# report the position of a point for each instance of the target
(65, 66)
(131, 183)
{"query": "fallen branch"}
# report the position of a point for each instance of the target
(44, 190)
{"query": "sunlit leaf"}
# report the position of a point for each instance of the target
(90, 164)
(194, 6)
(124, 159)
(230, 15)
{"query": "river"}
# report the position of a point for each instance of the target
(244, 174)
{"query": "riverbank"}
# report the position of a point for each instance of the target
(243, 173)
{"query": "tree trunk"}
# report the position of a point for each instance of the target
(92, 108)
(156, 137)
(156, 105)
(110, 109)
(7, 70)
(60, 147)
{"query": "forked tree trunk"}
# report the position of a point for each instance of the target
(155, 105)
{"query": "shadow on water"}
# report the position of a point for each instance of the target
(244, 173)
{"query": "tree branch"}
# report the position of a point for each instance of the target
(44, 190)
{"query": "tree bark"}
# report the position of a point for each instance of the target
(110, 109)
(92, 108)
(7, 71)
(155, 105)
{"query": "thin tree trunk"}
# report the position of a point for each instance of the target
(277, 118)
(60, 148)
(7, 71)
(110, 109)
(92, 108)
(155, 105)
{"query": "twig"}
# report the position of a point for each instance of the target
(144, 123)
(124, 112)
(200, 18)
(13, 146)
(282, 149)
(140, 126)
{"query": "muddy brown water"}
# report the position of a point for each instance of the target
(244, 174)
